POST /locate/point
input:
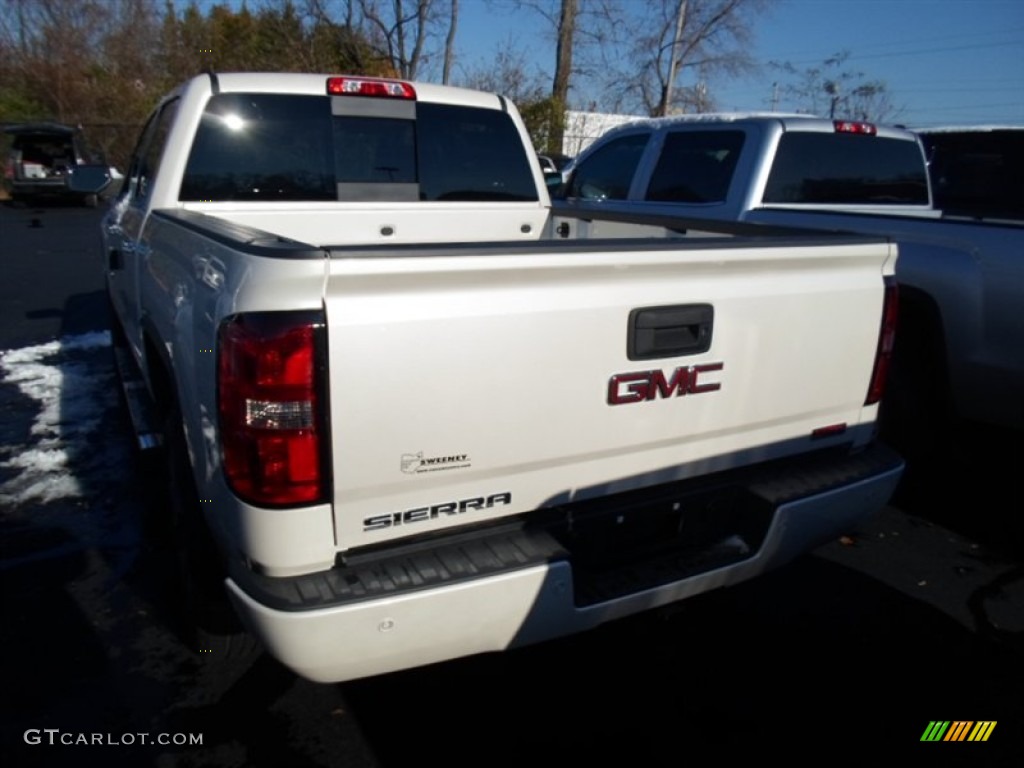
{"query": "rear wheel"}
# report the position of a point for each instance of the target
(917, 417)
(916, 413)
(209, 623)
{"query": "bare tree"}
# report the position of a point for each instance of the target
(561, 18)
(579, 30)
(674, 57)
(693, 40)
(55, 40)
(401, 28)
(104, 63)
(563, 71)
(449, 43)
(563, 50)
(509, 73)
(75, 59)
(832, 88)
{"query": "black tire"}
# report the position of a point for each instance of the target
(90, 201)
(209, 624)
(916, 411)
(916, 416)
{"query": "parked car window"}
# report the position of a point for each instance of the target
(977, 172)
(829, 168)
(695, 166)
(608, 173)
(287, 147)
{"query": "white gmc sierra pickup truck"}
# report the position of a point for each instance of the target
(410, 414)
(960, 351)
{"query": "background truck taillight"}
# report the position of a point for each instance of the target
(271, 393)
(886, 339)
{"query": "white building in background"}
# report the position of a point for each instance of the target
(582, 128)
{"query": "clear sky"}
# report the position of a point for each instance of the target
(943, 61)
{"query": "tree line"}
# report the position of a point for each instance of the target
(104, 63)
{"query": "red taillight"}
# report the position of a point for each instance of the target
(886, 339)
(368, 86)
(854, 126)
(272, 416)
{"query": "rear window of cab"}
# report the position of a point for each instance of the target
(285, 147)
(847, 169)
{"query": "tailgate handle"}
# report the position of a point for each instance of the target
(670, 331)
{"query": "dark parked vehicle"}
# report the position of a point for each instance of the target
(51, 160)
(976, 170)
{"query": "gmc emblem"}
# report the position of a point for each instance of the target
(649, 385)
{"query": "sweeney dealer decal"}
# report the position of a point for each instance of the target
(417, 463)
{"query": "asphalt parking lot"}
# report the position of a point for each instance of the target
(842, 658)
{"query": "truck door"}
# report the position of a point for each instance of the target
(122, 230)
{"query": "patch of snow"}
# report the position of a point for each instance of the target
(71, 380)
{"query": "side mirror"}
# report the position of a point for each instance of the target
(553, 181)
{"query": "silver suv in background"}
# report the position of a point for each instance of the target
(960, 347)
(51, 160)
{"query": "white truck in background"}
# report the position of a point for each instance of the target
(410, 414)
(960, 353)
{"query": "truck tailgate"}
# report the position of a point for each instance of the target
(501, 382)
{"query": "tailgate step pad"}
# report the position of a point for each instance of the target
(617, 545)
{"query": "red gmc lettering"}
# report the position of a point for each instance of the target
(649, 385)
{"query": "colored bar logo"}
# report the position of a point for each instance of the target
(958, 730)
